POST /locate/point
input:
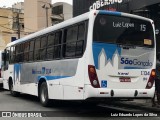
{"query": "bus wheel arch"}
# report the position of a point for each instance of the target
(43, 93)
(39, 85)
(10, 85)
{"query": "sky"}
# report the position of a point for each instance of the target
(9, 3)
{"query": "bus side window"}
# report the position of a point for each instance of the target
(57, 45)
(13, 54)
(37, 49)
(5, 59)
(43, 47)
(31, 50)
(74, 41)
(21, 52)
(80, 41)
(70, 41)
(50, 48)
(17, 53)
(26, 51)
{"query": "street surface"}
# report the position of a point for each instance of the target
(75, 110)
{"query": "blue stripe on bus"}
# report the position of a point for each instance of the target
(17, 72)
(52, 77)
(110, 12)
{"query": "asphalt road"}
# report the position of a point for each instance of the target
(26, 106)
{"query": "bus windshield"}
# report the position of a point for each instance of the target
(123, 30)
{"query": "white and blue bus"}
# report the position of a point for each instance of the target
(100, 54)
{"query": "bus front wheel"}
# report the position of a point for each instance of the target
(45, 101)
(13, 93)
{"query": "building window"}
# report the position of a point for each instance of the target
(15, 26)
(57, 10)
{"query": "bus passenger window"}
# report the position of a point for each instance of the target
(57, 45)
(13, 54)
(43, 47)
(21, 56)
(81, 38)
(71, 38)
(26, 51)
(81, 31)
(31, 48)
(37, 49)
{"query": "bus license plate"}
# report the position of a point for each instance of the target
(125, 79)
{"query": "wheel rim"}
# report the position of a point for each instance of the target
(11, 86)
(43, 94)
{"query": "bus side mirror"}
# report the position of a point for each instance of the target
(7, 56)
(3, 56)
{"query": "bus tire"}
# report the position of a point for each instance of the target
(13, 93)
(45, 101)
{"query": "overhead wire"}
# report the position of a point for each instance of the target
(5, 27)
(6, 23)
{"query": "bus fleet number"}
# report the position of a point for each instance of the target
(145, 73)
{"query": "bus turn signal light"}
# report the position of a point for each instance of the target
(151, 79)
(153, 73)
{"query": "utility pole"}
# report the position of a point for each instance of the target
(46, 7)
(18, 26)
(47, 15)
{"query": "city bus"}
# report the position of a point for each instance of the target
(98, 55)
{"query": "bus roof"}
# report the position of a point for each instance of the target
(52, 28)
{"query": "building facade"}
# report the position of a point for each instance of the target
(82, 6)
(18, 7)
(36, 15)
(5, 26)
(146, 8)
(18, 19)
(61, 11)
(39, 14)
(8, 26)
(30, 16)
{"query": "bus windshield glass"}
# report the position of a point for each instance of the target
(123, 31)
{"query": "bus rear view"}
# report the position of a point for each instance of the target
(123, 47)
